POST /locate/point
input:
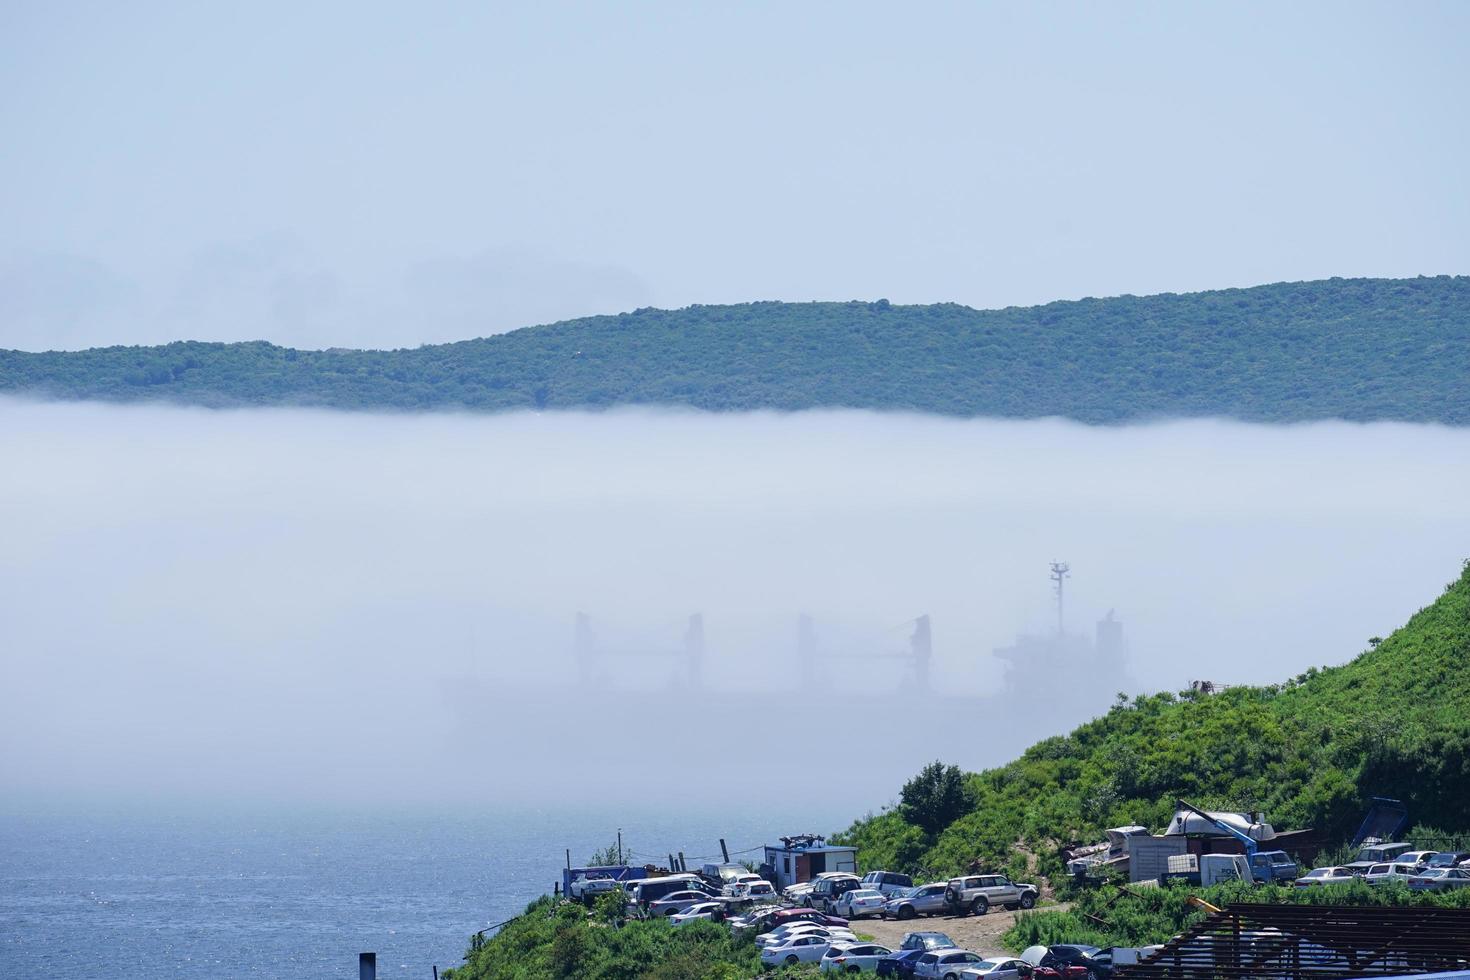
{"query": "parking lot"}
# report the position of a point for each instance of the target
(978, 932)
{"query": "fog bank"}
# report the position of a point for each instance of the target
(301, 606)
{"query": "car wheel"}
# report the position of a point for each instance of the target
(951, 976)
(1028, 901)
(906, 912)
(981, 906)
(1091, 975)
(854, 969)
(792, 960)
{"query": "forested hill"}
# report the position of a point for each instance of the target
(1310, 752)
(1360, 349)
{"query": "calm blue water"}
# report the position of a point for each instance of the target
(278, 896)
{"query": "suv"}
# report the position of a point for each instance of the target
(924, 900)
(926, 940)
(825, 895)
(890, 883)
(976, 893)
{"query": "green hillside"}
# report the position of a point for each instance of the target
(1395, 721)
(1360, 349)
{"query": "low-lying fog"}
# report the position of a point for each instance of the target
(315, 607)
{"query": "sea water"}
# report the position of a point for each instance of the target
(293, 895)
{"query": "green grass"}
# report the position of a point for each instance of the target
(1357, 349)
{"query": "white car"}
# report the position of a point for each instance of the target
(676, 902)
(1382, 874)
(854, 958)
(758, 891)
(1000, 969)
(946, 964)
(590, 886)
(744, 878)
(801, 949)
(707, 911)
(834, 933)
(859, 902)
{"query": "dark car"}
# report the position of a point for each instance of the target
(800, 915)
(900, 964)
(1448, 859)
(1097, 963)
(926, 941)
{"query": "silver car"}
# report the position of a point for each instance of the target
(922, 900)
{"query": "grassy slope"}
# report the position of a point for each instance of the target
(1394, 721)
(1356, 349)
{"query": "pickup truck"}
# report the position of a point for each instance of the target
(977, 893)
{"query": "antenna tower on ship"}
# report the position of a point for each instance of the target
(1059, 572)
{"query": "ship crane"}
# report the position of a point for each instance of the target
(919, 652)
(691, 652)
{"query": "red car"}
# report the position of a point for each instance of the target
(801, 915)
(1059, 971)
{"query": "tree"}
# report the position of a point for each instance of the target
(607, 857)
(936, 797)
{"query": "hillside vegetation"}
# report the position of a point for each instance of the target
(1309, 752)
(1359, 349)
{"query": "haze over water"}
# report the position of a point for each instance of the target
(285, 607)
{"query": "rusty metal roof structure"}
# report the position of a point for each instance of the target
(1312, 942)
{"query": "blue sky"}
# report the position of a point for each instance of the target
(389, 174)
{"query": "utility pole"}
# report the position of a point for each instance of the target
(1059, 572)
(620, 845)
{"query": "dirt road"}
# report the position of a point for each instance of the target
(980, 933)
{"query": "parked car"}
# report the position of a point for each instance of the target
(859, 902)
(1097, 964)
(999, 969)
(1382, 874)
(1055, 968)
(781, 932)
(750, 891)
(1417, 858)
(900, 964)
(836, 936)
(704, 911)
(797, 893)
(1440, 879)
(923, 900)
(1382, 853)
(977, 893)
(1448, 859)
(676, 902)
(801, 949)
(825, 895)
(890, 883)
(1272, 867)
(588, 887)
(946, 964)
(753, 919)
(782, 916)
(1324, 876)
(857, 958)
(926, 941)
(786, 929)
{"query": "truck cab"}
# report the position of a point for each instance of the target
(1273, 867)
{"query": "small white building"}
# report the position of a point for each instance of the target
(802, 858)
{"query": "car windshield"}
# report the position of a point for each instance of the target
(1435, 873)
(1442, 860)
(987, 965)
